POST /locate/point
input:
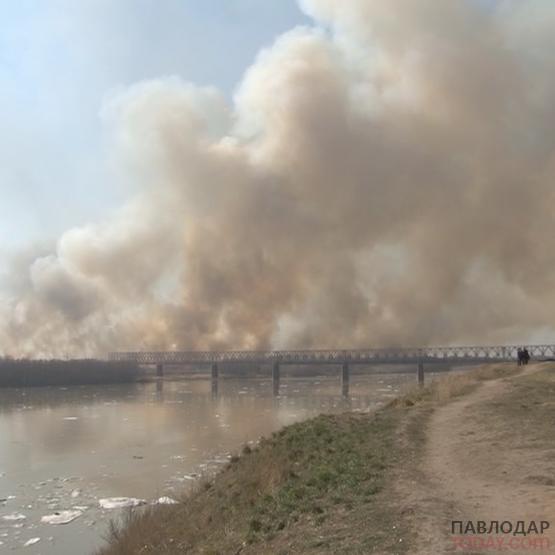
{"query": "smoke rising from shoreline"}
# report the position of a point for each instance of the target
(383, 178)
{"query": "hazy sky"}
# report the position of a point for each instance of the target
(60, 59)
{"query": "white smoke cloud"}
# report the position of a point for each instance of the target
(382, 178)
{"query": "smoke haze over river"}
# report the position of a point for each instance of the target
(383, 176)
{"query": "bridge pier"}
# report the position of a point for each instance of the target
(345, 379)
(215, 374)
(420, 373)
(159, 370)
(276, 377)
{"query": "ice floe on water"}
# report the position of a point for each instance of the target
(61, 517)
(166, 501)
(71, 418)
(30, 542)
(14, 517)
(120, 502)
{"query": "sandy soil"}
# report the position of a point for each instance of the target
(477, 466)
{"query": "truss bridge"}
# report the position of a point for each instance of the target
(344, 357)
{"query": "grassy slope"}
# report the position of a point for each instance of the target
(524, 420)
(320, 486)
(531, 406)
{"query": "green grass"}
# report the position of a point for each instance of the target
(295, 488)
(332, 462)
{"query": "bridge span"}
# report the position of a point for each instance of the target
(344, 357)
(337, 356)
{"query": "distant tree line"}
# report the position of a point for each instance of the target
(29, 373)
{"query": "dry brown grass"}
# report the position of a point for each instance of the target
(529, 407)
(449, 386)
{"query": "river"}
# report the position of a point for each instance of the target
(65, 448)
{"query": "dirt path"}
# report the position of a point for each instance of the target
(478, 467)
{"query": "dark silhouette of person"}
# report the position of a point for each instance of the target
(525, 356)
(520, 356)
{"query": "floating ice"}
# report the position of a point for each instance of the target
(71, 418)
(75, 493)
(32, 541)
(120, 502)
(61, 517)
(166, 501)
(14, 516)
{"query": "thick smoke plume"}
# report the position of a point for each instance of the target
(385, 177)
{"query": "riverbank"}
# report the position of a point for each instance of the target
(488, 456)
(39, 373)
(358, 483)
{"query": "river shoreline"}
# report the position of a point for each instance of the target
(42, 373)
(325, 485)
(140, 440)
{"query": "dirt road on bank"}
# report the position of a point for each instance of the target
(489, 456)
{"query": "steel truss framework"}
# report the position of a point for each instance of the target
(339, 356)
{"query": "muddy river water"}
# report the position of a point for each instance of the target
(63, 450)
